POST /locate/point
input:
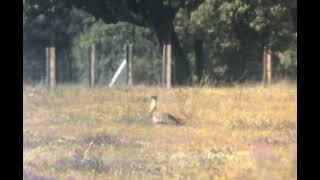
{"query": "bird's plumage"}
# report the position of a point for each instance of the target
(161, 118)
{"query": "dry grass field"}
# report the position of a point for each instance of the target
(238, 132)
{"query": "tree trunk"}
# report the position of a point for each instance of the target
(198, 49)
(67, 60)
(166, 34)
(70, 74)
(182, 69)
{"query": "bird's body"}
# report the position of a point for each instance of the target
(165, 118)
(161, 118)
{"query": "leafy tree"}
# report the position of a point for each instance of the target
(240, 30)
(110, 40)
(158, 15)
(212, 40)
(43, 28)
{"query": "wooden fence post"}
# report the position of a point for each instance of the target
(126, 51)
(164, 66)
(47, 66)
(269, 67)
(92, 65)
(169, 66)
(264, 75)
(130, 68)
(52, 55)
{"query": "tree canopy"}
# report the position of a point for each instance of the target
(212, 40)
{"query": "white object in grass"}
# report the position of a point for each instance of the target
(115, 76)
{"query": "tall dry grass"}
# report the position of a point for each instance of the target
(239, 132)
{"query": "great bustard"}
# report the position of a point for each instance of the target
(161, 118)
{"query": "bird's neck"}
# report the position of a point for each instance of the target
(153, 107)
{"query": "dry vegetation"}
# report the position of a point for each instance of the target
(241, 132)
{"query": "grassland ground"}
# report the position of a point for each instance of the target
(240, 132)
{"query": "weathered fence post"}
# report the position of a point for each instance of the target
(47, 66)
(267, 67)
(52, 55)
(92, 65)
(169, 66)
(126, 52)
(164, 66)
(264, 75)
(130, 68)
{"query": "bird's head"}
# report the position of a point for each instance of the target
(154, 98)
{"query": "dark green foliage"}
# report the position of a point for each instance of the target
(214, 41)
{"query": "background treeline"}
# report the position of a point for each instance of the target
(213, 41)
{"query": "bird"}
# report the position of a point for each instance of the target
(161, 118)
(88, 152)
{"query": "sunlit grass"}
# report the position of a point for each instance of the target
(245, 131)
